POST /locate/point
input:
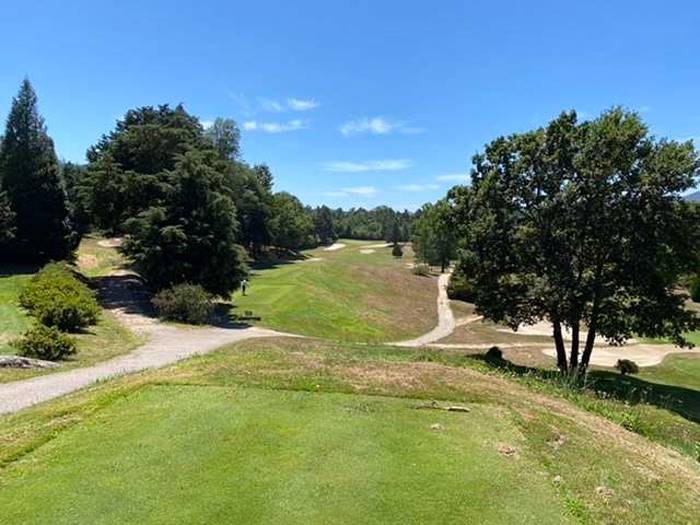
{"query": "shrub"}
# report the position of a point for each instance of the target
(627, 366)
(397, 251)
(57, 298)
(695, 289)
(460, 287)
(494, 355)
(44, 342)
(421, 269)
(186, 303)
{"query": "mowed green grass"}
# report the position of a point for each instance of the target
(346, 295)
(13, 320)
(221, 455)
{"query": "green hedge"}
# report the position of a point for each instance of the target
(58, 299)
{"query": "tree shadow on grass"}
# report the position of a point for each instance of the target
(629, 389)
(12, 269)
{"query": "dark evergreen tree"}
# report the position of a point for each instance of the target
(323, 221)
(7, 220)
(191, 236)
(29, 173)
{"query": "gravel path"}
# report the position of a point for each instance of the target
(446, 320)
(123, 295)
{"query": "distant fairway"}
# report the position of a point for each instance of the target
(344, 294)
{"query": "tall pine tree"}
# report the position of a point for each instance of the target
(30, 176)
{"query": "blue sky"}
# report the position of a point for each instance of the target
(355, 103)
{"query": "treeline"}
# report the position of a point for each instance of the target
(580, 224)
(190, 208)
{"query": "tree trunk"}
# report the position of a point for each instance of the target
(575, 333)
(561, 349)
(588, 349)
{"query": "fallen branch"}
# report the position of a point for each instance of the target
(434, 406)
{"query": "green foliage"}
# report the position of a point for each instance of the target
(377, 224)
(323, 222)
(291, 226)
(225, 136)
(191, 235)
(186, 303)
(29, 174)
(58, 299)
(627, 366)
(396, 250)
(45, 342)
(460, 287)
(695, 289)
(434, 239)
(582, 225)
(7, 219)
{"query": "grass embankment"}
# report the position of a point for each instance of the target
(344, 295)
(107, 339)
(302, 431)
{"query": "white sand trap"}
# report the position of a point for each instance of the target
(114, 242)
(382, 245)
(643, 355)
(367, 251)
(334, 247)
(544, 328)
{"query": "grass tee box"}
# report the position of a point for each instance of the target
(183, 454)
(354, 293)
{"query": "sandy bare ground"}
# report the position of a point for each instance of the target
(367, 251)
(114, 242)
(380, 245)
(335, 246)
(446, 320)
(166, 344)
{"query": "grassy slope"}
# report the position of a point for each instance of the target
(100, 342)
(229, 437)
(263, 456)
(347, 295)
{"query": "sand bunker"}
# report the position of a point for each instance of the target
(334, 247)
(382, 245)
(367, 251)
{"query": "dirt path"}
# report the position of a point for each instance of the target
(446, 320)
(125, 297)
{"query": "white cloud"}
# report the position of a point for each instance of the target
(300, 104)
(453, 177)
(291, 104)
(418, 187)
(377, 126)
(275, 127)
(359, 191)
(368, 165)
(206, 124)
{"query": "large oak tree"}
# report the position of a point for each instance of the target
(582, 224)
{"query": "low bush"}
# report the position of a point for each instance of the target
(460, 287)
(397, 251)
(627, 366)
(494, 355)
(421, 269)
(186, 303)
(57, 298)
(44, 342)
(694, 289)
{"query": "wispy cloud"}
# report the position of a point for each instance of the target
(453, 177)
(359, 191)
(368, 165)
(418, 187)
(275, 127)
(300, 104)
(377, 126)
(290, 104)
